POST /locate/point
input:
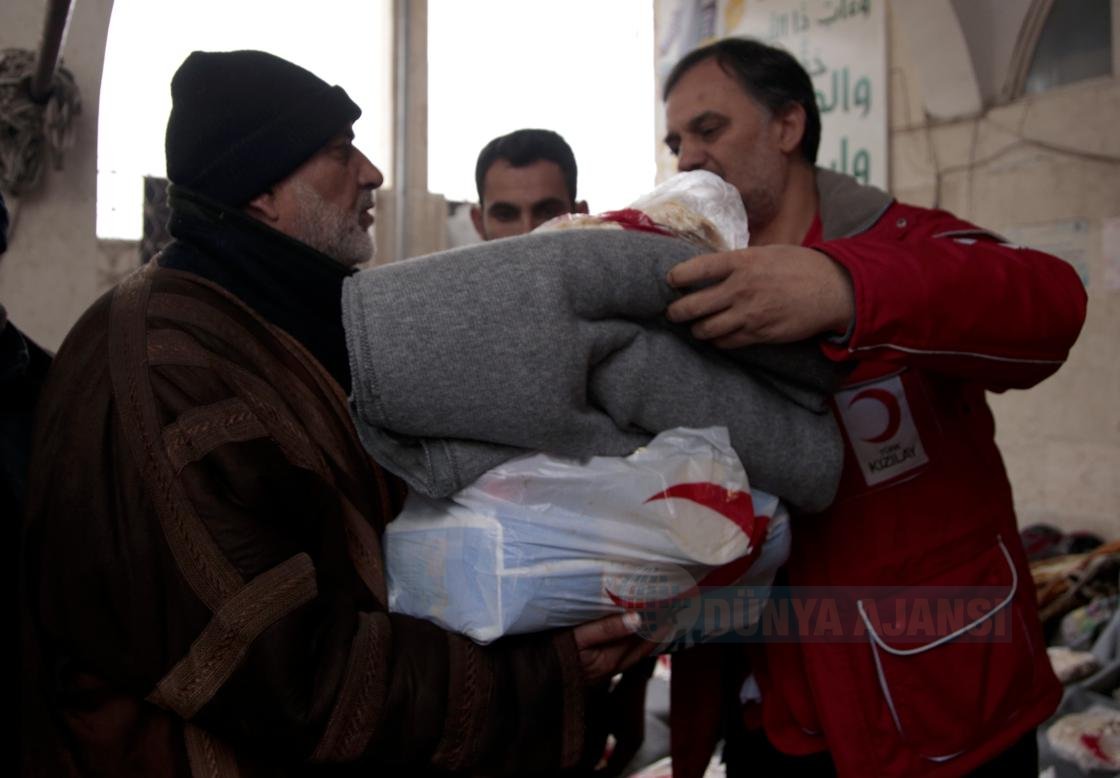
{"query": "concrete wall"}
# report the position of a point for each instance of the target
(53, 268)
(1047, 166)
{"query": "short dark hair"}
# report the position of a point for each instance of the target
(524, 147)
(768, 74)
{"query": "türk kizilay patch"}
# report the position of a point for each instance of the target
(881, 429)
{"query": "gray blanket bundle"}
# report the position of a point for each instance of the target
(557, 342)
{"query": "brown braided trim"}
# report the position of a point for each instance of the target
(188, 310)
(344, 441)
(175, 347)
(273, 413)
(219, 649)
(345, 435)
(208, 756)
(360, 707)
(470, 689)
(206, 570)
(171, 347)
(364, 548)
(385, 492)
(199, 431)
(574, 721)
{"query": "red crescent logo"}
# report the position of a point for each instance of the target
(736, 506)
(894, 413)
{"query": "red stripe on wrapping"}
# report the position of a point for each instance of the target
(633, 219)
(733, 571)
(735, 506)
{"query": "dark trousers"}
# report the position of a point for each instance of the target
(748, 754)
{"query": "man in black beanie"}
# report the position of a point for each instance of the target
(269, 198)
(203, 574)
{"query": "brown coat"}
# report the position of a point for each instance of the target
(203, 576)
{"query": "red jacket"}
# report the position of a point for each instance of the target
(944, 312)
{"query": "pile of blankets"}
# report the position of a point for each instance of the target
(557, 342)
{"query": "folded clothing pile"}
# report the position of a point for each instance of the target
(558, 343)
(1090, 739)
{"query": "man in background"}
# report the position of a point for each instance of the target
(930, 312)
(524, 179)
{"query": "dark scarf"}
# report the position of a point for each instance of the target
(291, 285)
(23, 370)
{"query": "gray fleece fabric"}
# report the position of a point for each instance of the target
(557, 342)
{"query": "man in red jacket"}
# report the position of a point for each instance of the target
(931, 312)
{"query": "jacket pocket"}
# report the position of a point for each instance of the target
(953, 657)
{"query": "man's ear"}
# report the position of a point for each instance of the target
(476, 219)
(263, 207)
(791, 127)
(581, 207)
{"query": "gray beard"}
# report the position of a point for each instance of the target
(332, 230)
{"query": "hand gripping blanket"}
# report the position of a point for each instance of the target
(557, 343)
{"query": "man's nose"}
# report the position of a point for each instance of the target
(368, 174)
(690, 157)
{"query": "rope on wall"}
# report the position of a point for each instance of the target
(29, 131)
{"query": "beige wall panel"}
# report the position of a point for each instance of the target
(954, 145)
(938, 56)
(993, 141)
(906, 106)
(50, 273)
(912, 162)
(1076, 117)
(923, 196)
(1011, 193)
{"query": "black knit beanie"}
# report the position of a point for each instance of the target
(243, 120)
